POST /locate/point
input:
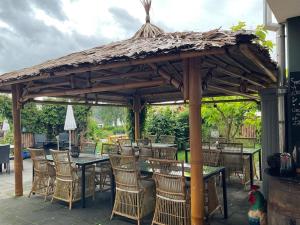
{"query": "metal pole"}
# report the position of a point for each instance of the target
(281, 86)
(70, 138)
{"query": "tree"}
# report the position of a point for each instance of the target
(260, 31)
(229, 117)
(109, 115)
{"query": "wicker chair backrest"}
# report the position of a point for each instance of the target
(125, 171)
(64, 169)
(109, 148)
(169, 178)
(167, 139)
(88, 147)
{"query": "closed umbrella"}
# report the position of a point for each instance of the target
(5, 126)
(70, 123)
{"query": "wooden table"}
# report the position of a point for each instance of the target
(82, 161)
(246, 152)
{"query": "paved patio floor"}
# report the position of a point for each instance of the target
(35, 211)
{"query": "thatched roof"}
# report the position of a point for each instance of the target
(231, 62)
(140, 48)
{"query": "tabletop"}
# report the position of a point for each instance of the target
(208, 171)
(85, 159)
(158, 145)
(246, 151)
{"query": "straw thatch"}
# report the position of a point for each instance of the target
(141, 48)
(148, 29)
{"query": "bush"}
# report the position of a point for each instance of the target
(160, 121)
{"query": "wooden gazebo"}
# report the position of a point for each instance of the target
(149, 69)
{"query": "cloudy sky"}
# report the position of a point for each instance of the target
(32, 31)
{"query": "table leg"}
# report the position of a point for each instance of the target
(251, 170)
(83, 186)
(224, 186)
(186, 156)
(259, 163)
(112, 189)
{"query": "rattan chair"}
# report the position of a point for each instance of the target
(127, 150)
(43, 180)
(152, 138)
(88, 147)
(211, 157)
(144, 143)
(134, 196)
(124, 142)
(109, 149)
(172, 200)
(145, 149)
(236, 163)
(167, 139)
(103, 170)
(68, 179)
(164, 153)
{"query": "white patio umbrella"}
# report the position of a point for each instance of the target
(70, 123)
(5, 126)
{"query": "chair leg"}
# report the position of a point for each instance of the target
(71, 198)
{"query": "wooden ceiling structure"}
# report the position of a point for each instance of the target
(151, 67)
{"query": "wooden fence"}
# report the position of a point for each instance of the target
(248, 131)
(27, 140)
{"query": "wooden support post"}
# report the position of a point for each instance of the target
(137, 109)
(18, 160)
(197, 183)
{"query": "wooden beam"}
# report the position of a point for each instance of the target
(206, 102)
(185, 67)
(230, 92)
(120, 75)
(197, 182)
(168, 77)
(18, 160)
(250, 55)
(154, 59)
(230, 71)
(232, 84)
(44, 86)
(97, 89)
(76, 103)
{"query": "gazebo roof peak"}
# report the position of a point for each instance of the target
(148, 30)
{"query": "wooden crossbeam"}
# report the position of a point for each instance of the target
(232, 84)
(96, 89)
(230, 92)
(168, 77)
(250, 55)
(229, 71)
(77, 103)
